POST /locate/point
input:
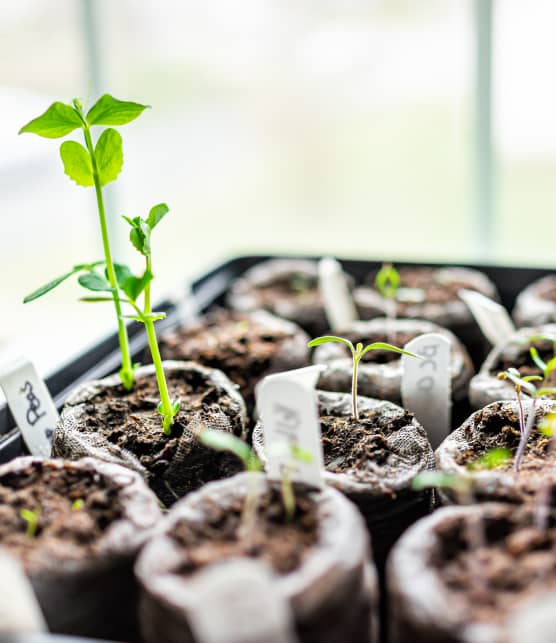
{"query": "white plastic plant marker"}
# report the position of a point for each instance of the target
(493, 319)
(237, 601)
(288, 407)
(427, 383)
(31, 405)
(19, 610)
(338, 302)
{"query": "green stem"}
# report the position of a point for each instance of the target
(166, 408)
(126, 372)
(355, 413)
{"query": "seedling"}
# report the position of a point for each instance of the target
(77, 505)
(296, 454)
(357, 352)
(222, 441)
(92, 165)
(31, 519)
(525, 385)
(387, 282)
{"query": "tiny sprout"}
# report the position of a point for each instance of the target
(492, 459)
(387, 281)
(357, 353)
(77, 505)
(288, 496)
(31, 519)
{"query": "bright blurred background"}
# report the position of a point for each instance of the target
(364, 128)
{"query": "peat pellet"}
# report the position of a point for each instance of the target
(373, 461)
(432, 294)
(486, 387)
(536, 304)
(92, 518)
(444, 590)
(103, 420)
(320, 560)
(497, 426)
(287, 288)
(246, 346)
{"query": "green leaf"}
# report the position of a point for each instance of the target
(88, 266)
(537, 358)
(156, 214)
(325, 339)
(134, 286)
(222, 441)
(388, 347)
(77, 163)
(387, 281)
(547, 426)
(492, 459)
(176, 407)
(428, 479)
(93, 300)
(94, 281)
(551, 365)
(111, 111)
(39, 292)
(58, 120)
(109, 154)
(122, 273)
(546, 391)
(140, 235)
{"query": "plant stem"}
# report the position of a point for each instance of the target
(525, 435)
(521, 413)
(126, 372)
(248, 518)
(167, 413)
(354, 411)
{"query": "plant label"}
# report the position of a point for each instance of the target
(493, 319)
(238, 601)
(287, 403)
(19, 610)
(338, 302)
(31, 405)
(426, 384)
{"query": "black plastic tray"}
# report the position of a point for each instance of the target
(103, 358)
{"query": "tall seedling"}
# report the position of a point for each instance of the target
(92, 165)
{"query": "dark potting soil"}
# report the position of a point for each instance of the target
(231, 342)
(517, 561)
(498, 427)
(523, 362)
(380, 356)
(282, 544)
(130, 420)
(63, 532)
(354, 446)
(436, 289)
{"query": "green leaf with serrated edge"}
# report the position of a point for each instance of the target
(222, 441)
(325, 339)
(492, 459)
(428, 479)
(388, 347)
(111, 111)
(95, 282)
(156, 214)
(77, 163)
(58, 120)
(122, 273)
(109, 154)
(387, 281)
(537, 358)
(39, 292)
(134, 286)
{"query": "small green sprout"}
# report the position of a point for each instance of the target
(92, 165)
(387, 281)
(288, 496)
(222, 441)
(77, 505)
(357, 353)
(525, 385)
(31, 519)
(492, 459)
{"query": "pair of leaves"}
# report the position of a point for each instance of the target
(131, 285)
(61, 119)
(140, 233)
(358, 351)
(39, 292)
(387, 281)
(109, 158)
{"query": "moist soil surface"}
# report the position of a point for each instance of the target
(282, 544)
(380, 356)
(437, 286)
(130, 420)
(64, 532)
(498, 427)
(296, 287)
(517, 562)
(360, 447)
(232, 342)
(523, 362)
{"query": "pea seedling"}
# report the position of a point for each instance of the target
(525, 385)
(31, 519)
(92, 165)
(357, 353)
